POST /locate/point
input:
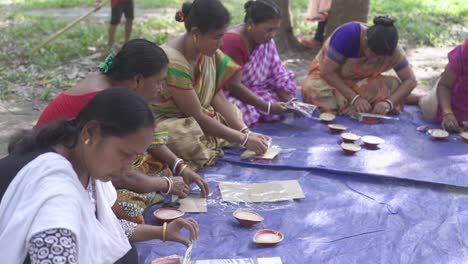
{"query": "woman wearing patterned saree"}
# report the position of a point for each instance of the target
(142, 67)
(192, 107)
(251, 45)
(347, 72)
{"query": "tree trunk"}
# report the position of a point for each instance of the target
(285, 39)
(343, 11)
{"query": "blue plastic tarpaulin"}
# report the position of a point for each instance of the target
(405, 202)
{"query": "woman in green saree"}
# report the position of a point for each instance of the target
(192, 106)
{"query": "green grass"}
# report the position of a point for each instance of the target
(426, 22)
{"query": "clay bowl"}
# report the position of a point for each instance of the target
(349, 137)
(439, 134)
(372, 141)
(327, 117)
(167, 214)
(350, 148)
(268, 237)
(247, 218)
(464, 136)
(336, 128)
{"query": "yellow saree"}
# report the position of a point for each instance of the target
(131, 205)
(186, 138)
(362, 75)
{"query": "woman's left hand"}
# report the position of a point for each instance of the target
(190, 177)
(381, 108)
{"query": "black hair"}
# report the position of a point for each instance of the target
(117, 111)
(382, 37)
(207, 15)
(137, 56)
(261, 10)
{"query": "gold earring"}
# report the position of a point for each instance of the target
(249, 28)
(86, 141)
(195, 39)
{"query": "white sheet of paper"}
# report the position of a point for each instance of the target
(269, 155)
(275, 260)
(273, 191)
(194, 203)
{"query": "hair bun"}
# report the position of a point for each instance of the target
(248, 5)
(384, 21)
(182, 14)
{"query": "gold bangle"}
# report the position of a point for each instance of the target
(183, 168)
(164, 232)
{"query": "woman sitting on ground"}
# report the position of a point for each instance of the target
(142, 66)
(193, 108)
(347, 72)
(448, 104)
(251, 45)
(56, 194)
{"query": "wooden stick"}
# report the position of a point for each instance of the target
(68, 27)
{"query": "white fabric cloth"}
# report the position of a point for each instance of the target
(45, 194)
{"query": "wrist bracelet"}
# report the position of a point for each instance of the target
(176, 163)
(446, 113)
(169, 181)
(354, 99)
(243, 130)
(164, 232)
(269, 107)
(183, 168)
(390, 103)
(246, 139)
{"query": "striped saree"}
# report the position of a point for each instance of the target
(186, 138)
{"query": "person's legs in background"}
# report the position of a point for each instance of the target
(129, 11)
(116, 15)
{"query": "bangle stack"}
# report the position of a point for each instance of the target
(355, 98)
(245, 139)
(164, 232)
(390, 103)
(169, 181)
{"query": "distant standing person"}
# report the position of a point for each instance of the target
(119, 7)
(317, 10)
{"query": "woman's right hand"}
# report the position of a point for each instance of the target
(278, 108)
(449, 122)
(179, 187)
(362, 105)
(174, 227)
(258, 143)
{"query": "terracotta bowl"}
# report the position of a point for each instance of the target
(327, 117)
(167, 214)
(372, 141)
(336, 128)
(268, 237)
(350, 148)
(247, 218)
(439, 134)
(349, 137)
(464, 135)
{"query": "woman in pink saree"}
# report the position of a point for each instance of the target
(251, 45)
(448, 104)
